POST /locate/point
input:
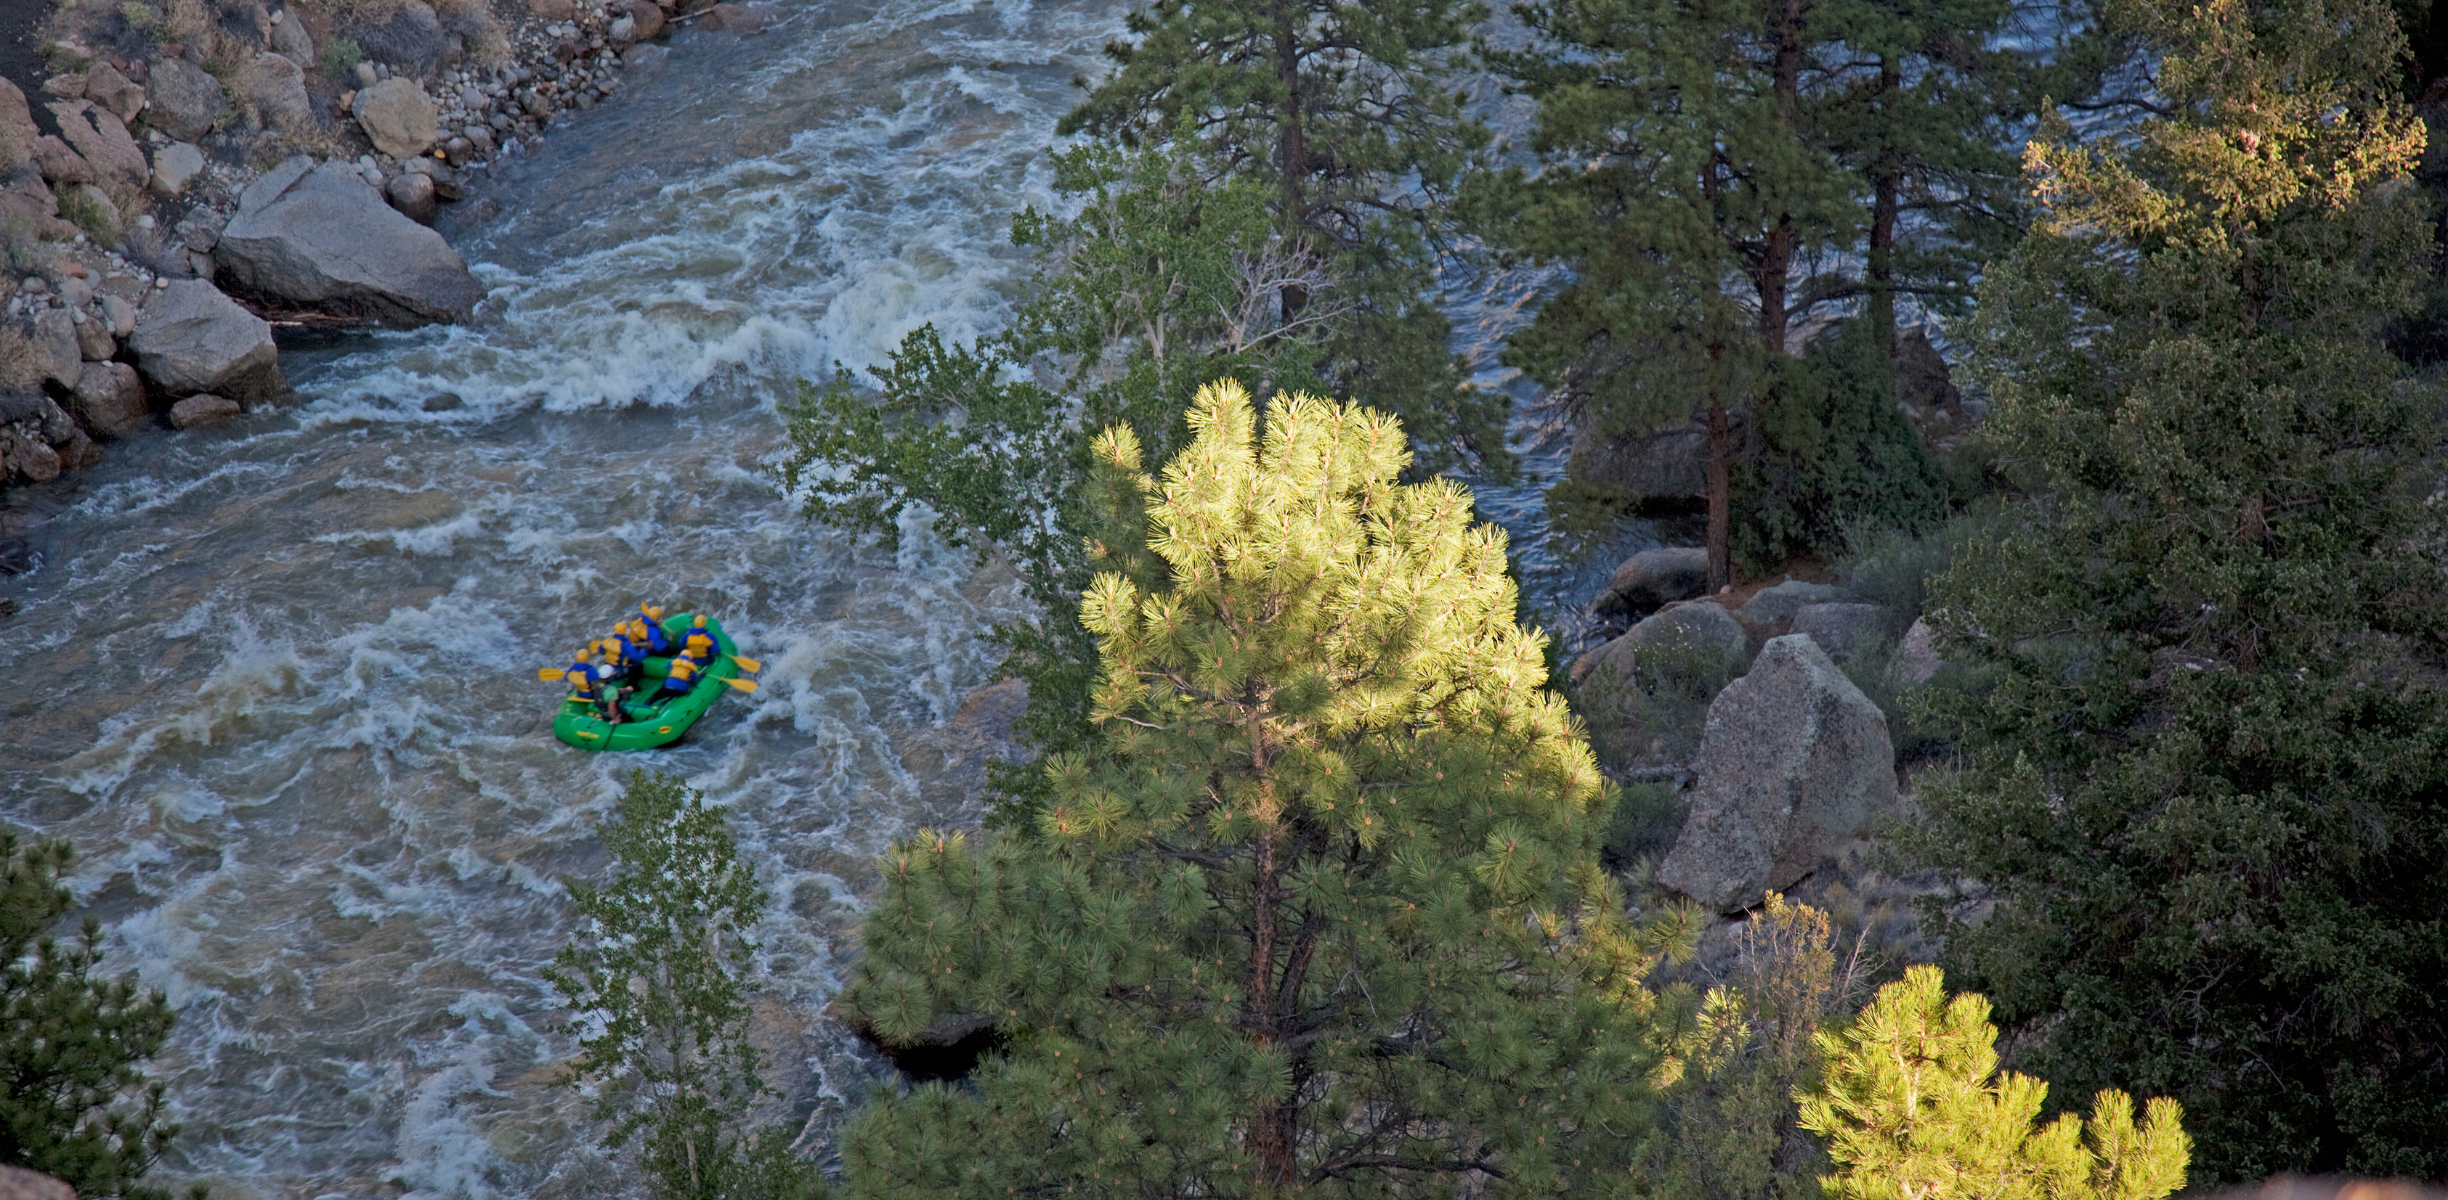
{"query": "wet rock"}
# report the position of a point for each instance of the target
(413, 196)
(17, 128)
(17, 556)
(732, 18)
(647, 17)
(1917, 655)
(398, 116)
(190, 338)
(100, 139)
(110, 400)
(55, 347)
(174, 165)
(1840, 627)
(28, 456)
(1779, 603)
(317, 236)
(276, 87)
(1694, 627)
(186, 99)
(1656, 577)
(93, 338)
(203, 410)
(1794, 761)
(442, 402)
(60, 164)
(106, 86)
(290, 40)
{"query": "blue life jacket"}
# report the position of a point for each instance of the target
(581, 677)
(685, 672)
(657, 641)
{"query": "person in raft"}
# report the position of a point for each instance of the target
(697, 651)
(590, 684)
(621, 667)
(643, 630)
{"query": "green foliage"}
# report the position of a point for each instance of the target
(1893, 566)
(77, 1105)
(80, 208)
(1912, 1105)
(1731, 1132)
(1648, 817)
(341, 57)
(660, 983)
(1834, 451)
(2208, 791)
(142, 17)
(1339, 111)
(1319, 907)
(1652, 713)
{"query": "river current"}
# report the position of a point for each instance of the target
(276, 679)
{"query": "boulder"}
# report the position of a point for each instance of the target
(106, 86)
(290, 40)
(55, 347)
(277, 89)
(93, 338)
(648, 19)
(17, 129)
(413, 195)
(732, 18)
(59, 164)
(1840, 627)
(397, 116)
(1917, 655)
(186, 99)
(120, 314)
(67, 85)
(413, 37)
(317, 236)
(1770, 605)
(190, 338)
(1698, 626)
(100, 139)
(110, 400)
(1657, 577)
(174, 165)
(203, 410)
(1793, 762)
(28, 456)
(17, 1183)
(622, 32)
(1671, 465)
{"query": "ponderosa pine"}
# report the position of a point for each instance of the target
(2208, 792)
(1319, 911)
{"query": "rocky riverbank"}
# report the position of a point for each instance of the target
(186, 177)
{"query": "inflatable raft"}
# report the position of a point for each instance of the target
(648, 725)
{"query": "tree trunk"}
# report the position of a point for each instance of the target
(1884, 201)
(1291, 146)
(1720, 479)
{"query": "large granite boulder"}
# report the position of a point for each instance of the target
(17, 1183)
(1917, 655)
(1770, 605)
(186, 99)
(107, 86)
(1841, 627)
(56, 352)
(17, 128)
(100, 139)
(190, 338)
(397, 116)
(1670, 466)
(174, 165)
(413, 37)
(290, 40)
(320, 237)
(1698, 627)
(110, 400)
(1793, 762)
(277, 89)
(1656, 577)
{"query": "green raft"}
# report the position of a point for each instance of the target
(650, 725)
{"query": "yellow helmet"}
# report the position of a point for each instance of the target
(700, 622)
(652, 611)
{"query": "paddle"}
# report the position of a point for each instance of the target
(745, 662)
(551, 673)
(741, 685)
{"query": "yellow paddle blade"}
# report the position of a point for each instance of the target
(551, 673)
(746, 663)
(741, 685)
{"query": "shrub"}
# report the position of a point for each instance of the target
(341, 57)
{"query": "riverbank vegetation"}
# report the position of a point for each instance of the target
(1306, 893)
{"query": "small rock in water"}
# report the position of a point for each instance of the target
(441, 402)
(17, 556)
(203, 410)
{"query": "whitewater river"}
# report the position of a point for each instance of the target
(277, 681)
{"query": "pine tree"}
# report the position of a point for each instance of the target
(1319, 911)
(2206, 792)
(1340, 109)
(660, 983)
(1723, 175)
(74, 1100)
(1913, 1109)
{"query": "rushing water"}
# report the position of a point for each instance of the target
(276, 679)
